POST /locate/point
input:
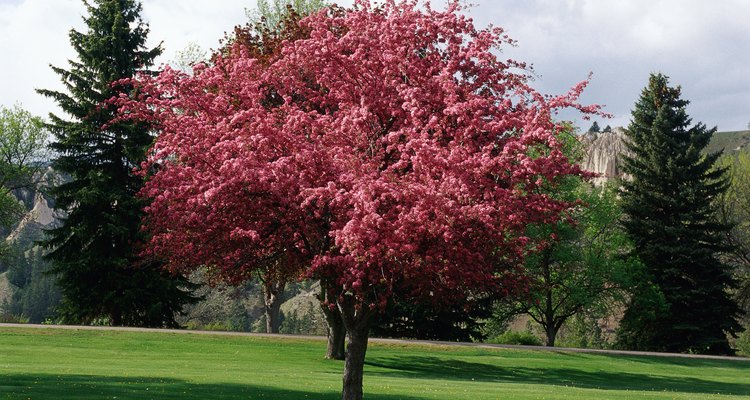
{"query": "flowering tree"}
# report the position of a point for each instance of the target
(388, 150)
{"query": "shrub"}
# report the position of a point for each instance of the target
(743, 343)
(516, 338)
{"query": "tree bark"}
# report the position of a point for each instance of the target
(273, 294)
(551, 335)
(336, 333)
(336, 329)
(357, 323)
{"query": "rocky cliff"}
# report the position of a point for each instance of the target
(26, 291)
(603, 153)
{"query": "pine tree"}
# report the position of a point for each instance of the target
(595, 127)
(94, 249)
(682, 304)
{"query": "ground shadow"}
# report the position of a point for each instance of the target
(739, 363)
(439, 368)
(85, 387)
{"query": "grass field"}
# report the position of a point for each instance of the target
(64, 364)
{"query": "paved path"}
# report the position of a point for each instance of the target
(378, 340)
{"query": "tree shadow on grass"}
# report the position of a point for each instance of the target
(85, 387)
(742, 364)
(426, 367)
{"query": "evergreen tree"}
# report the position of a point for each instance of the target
(595, 127)
(94, 249)
(682, 304)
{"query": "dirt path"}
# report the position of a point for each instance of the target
(378, 340)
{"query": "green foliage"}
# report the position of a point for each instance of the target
(743, 343)
(23, 141)
(306, 321)
(729, 142)
(733, 208)
(681, 303)
(583, 266)
(93, 250)
(221, 307)
(270, 13)
(35, 295)
(516, 338)
(583, 331)
(188, 57)
(8, 318)
(607, 129)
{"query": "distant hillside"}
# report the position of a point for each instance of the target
(729, 142)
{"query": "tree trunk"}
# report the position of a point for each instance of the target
(355, 363)
(549, 311)
(336, 333)
(551, 334)
(273, 293)
(336, 329)
(115, 317)
(357, 323)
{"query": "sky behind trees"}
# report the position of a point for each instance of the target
(701, 45)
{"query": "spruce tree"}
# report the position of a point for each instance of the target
(682, 304)
(94, 249)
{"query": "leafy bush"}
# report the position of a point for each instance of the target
(743, 343)
(583, 331)
(13, 319)
(516, 338)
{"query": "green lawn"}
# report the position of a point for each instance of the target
(63, 364)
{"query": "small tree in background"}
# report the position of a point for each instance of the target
(607, 129)
(682, 303)
(733, 207)
(23, 154)
(584, 265)
(272, 15)
(594, 127)
(93, 250)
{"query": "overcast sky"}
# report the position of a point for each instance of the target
(704, 46)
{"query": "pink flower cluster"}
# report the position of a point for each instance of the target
(391, 150)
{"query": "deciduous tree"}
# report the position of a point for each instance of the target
(388, 151)
(23, 155)
(733, 207)
(585, 264)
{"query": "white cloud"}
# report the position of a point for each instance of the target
(701, 45)
(34, 34)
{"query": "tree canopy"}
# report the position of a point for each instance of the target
(733, 208)
(388, 150)
(23, 140)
